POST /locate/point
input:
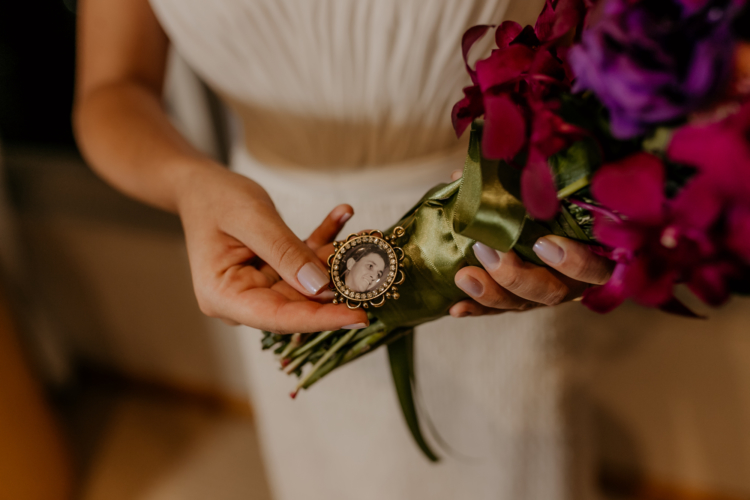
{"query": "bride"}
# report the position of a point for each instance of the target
(336, 96)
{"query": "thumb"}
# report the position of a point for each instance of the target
(295, 262)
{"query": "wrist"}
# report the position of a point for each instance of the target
(189, 176)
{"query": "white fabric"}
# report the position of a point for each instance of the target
(341, 97)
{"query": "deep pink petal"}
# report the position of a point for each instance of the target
(506, 33)
(545, 21)
(696, 205)
(467, 109)
(715, 149)
(709, 284)
(738, 228)
(538, 190)
(617, 234)
(504, 128)
(558, 18)
(633, 186)
(651, 286)
(546, 64)
(605, 298)
(472, 36)
(503, 65)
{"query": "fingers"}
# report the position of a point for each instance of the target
(457, 174)
(523, 279)
(279, 247)
(238, 299)
(467, 308)
(573, 259)
(330, 227)
(481, 287)
(268, 309)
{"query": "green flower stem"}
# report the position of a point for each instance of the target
(309, 345)
(375, 327)
(329, 353)
(324, 370)
(296, 363)
(363, 346)
(573, 187)
(294, 343)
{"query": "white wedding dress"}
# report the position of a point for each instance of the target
(348, 101)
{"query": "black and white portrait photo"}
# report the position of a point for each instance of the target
(365, 267)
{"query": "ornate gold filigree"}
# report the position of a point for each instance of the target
(393, 272)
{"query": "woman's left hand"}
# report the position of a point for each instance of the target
(508, 283)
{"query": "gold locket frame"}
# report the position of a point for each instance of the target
(388, 290)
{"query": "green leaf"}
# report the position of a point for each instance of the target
(401, 357)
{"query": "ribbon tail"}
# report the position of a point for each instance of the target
(401, 357)
(678, 308)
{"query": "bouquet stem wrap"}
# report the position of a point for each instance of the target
(484, 205)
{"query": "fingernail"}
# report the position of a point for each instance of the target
(341, 214)
(327, 295)
(355, 326)
(489, 257)
(470, 286)
(312, 278)
(548, 251)
(464, 314)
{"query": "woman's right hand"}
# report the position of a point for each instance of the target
(240, 248)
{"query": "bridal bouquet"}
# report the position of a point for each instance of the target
(622, 123)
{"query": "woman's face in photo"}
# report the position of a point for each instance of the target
(364, 273)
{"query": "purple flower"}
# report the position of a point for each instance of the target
(654, 61)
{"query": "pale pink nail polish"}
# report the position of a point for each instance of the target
(355, 326)
(345, 217)
(470, 286)
(548, 251)
(312, 278)
(489, 257)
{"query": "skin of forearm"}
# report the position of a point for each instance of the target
(127, 139)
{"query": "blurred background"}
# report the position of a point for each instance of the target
(114, 386)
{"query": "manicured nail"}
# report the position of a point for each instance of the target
(489, 257)
(464, 314)
(327, 295)
(355, 326)
(548, 251)
(341, 214)
(470, 286)
(312, 278)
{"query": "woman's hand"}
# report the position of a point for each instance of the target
(508, 283)
(240, 249)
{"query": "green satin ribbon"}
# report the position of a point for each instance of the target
(484, 206)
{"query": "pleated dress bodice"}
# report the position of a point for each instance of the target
(335, 84)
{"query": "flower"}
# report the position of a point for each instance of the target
(701, 237)
(514, 88)
(654, 243)
(655, 61)
(720, 152)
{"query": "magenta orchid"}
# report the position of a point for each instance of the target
(638, 230)
(701, 237)
(514, 88)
